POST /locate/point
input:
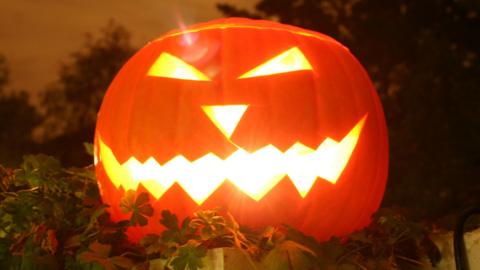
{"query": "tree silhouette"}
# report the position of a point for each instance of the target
(4, 72)
(18, 119)
(423, 59)
(72, 102)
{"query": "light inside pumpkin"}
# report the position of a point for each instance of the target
(254, 173)
(288, 61)
(169, 66)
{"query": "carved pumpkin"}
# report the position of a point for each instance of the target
(274, 123)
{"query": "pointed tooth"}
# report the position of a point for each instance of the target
(117, 173)
(300, 167)
(155, 188)
(176, 168)
(255, 174)
(134, 171)
(333, 156)
(325, 157)
(202, 178)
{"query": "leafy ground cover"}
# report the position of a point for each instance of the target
(52, 218)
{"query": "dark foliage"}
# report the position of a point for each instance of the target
(77, 94)
(52, 218)
(18, 118)
(72, 102)
(4, 72)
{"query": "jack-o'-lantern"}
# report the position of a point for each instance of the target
(273, 123)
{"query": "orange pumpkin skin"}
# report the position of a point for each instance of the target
(158, 117)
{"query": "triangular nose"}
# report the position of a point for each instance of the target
(225, 117)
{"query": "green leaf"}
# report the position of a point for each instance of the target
(189, 257)
(209, 223)
(88, 148)
(169, 220)
(121, 261)
(139, 207)
(158, 264)
(152, 244)
(100, 250)
(37, 168)
(175, 235)
(41, 163)
(100, 253)
(73, 242)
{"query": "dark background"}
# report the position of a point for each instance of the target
(423, 57)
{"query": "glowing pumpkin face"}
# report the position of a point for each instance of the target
(274, 123)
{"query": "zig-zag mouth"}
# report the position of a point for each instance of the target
(254, 173)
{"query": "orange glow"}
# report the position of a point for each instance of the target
(169, 66)
(254, 173)
(225, 117)
(288, 61)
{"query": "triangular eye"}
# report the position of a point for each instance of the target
(288, 61)
(169, 66)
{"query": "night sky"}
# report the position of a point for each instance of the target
(36, 36)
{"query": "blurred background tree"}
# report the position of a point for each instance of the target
(18, 119)
(71, 103)
(423, 59)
